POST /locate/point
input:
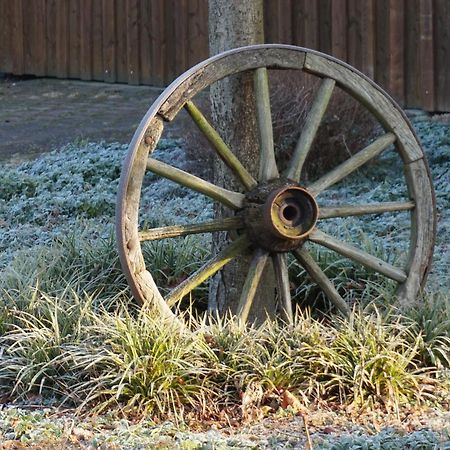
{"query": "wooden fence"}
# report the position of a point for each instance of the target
(404, 45)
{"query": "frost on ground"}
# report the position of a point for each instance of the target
(75, 189)
(49, 428)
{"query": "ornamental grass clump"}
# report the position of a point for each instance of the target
(97, 358)
(429, 319)
(143, 366)
(372, 360)
(366, 361)
(34, 341)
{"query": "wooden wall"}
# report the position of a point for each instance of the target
(404, 45)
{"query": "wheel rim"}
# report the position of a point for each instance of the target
(276, 220)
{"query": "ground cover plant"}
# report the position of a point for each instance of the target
(71, 335)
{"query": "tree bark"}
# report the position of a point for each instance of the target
(236, 23)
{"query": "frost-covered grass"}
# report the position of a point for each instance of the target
(75, 189)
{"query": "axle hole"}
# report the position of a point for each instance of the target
(290, 213)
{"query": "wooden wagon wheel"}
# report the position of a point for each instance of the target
(275, 213)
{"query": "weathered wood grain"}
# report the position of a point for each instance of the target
(421, 202)
(267, 166)
(328, 212)
(358, 255)
(127, 210)
(220, 146)
(251, 283)
(231, 199)
(280, 266)
(235, 249)
(423, 230)
(319, 277)
(227, 223)
(310, 128)
(235, 62)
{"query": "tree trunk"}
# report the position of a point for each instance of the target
(236, 23)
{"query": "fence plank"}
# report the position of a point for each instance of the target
(426, 54)
(158, 42)
(34, 45)
(412, 54)
(133, 41)
(74, 38)
(62, 39)
(325, 26)
(339, 28)
(120, 41)
(368, 38)
(6, 26)
(171, 10)
(180, 36)
(86, 40)
(145, 72)
(277, 24)
(354, 33)
(382, 50)
(297, 18)
(52, 69)
(109, 41)
(18, 33)
(197, 31)
(395, 70)
(442, 54)
(98, 69)
(310, 23)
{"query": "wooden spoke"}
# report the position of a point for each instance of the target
(208, 269)
(280, 266)
(251, 283)
(360, 210)
(219, 145)
(319, 277)
(310, 128)
(229, 223)
(347, 250)
(267, 166)
(229, 198)
(355, 162)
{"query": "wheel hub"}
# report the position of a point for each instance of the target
(280, 215)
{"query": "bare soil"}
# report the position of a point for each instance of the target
(41, 114)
